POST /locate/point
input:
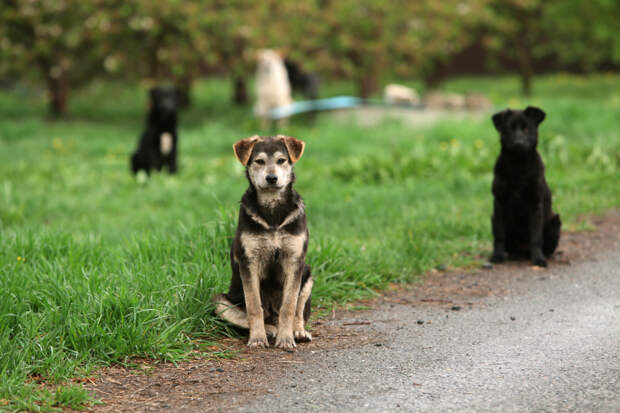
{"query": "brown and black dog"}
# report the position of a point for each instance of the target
(271, 282)
(524, 224)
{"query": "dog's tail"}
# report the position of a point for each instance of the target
(230, 312)
(551, 235)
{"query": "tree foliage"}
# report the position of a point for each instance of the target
(66, 43)
(585, 34)
(59, 39)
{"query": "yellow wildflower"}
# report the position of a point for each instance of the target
(57, 144)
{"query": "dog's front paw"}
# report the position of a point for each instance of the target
(285, 341)
(538, 257)
(497, 257)
(302, 336)
(539, 261)
(258, 342)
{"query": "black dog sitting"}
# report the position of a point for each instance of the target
(303, 82)
(524, 224)
(158, 143)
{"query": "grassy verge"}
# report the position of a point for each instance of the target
(96, 268)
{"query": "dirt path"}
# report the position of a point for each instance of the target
(220, 385)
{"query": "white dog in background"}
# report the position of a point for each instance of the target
(272, 85)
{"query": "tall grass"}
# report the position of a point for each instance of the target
(97, 268)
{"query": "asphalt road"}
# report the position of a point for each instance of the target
(551, 344)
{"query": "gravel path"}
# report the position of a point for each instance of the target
(551, 342)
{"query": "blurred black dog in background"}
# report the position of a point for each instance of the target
(302, 82)
(524, 225)
(158, 144)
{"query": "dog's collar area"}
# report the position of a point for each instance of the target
(292, 216)
(256, 218)
(270, 197)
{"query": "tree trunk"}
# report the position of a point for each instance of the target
(526, 83)
(184, 91)
(431, 81)
(524, 43)
(240, 96)
(58, 95)
(367, 84)
(526, 71)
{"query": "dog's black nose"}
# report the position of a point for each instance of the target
(272, 179)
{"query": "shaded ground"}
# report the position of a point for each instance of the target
(219, 385)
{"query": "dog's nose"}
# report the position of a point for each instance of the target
(272, 179)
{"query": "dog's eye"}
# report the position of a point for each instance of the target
(281, 161)
(260, 162)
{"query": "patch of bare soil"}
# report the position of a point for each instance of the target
(458, 288)
(222, 384)
(209, 385)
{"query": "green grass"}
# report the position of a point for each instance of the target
(96, 268)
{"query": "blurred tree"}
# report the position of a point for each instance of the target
(424, 35)
(365, 40)
(58, 38)
(516, 33)
(69, 42)
(231, 27)
(583, 34)
(354, 36)
(565, 32)
(161, 41)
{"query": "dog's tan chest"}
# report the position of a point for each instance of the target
(260, 247)
(165, 143)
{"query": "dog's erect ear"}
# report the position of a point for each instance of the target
(294, 146)
(500, 118)
(243, 148)
(534, 113)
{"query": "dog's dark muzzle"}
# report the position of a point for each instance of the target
(271, 179)
(167, 107)
(520, 144)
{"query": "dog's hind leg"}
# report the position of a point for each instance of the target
(138, 163)
(171, 161)
(551, 234)
(233, 314)
(230, 312)
(236, 315)
(302, 312)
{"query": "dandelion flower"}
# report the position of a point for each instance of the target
(57, 144)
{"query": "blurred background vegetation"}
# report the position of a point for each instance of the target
(66, 44)
(98, 268)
